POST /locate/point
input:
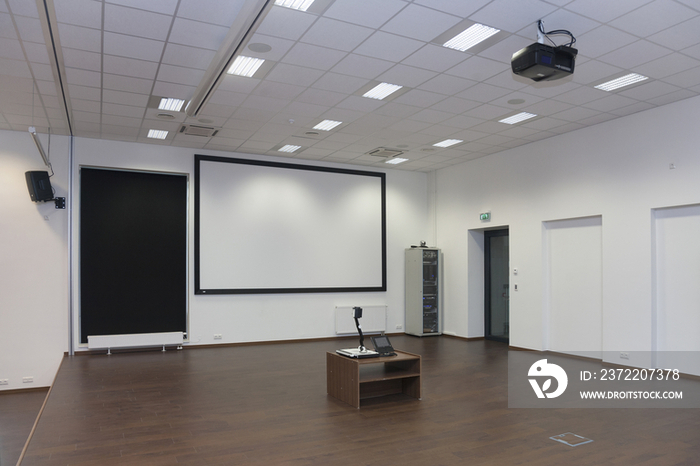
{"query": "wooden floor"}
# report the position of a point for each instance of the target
(18, 411)
(267, 405)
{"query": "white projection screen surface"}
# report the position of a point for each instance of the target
(263, 227)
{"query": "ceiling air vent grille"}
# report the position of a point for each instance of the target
(385, 152)
(202, 131)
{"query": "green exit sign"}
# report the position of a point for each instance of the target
(485, 216)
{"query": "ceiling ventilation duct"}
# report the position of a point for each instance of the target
(385, 152)
(202, 131)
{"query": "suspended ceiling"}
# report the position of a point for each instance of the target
(97, 69)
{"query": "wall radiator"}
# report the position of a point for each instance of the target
(373, 320)
(136, 340)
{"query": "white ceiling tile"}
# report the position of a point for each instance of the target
(80, 105)
(238, 84)
(23, 8)
(180, 75)
(124, 98)
(630, 109)
(291, 74)
(336, 34)
(36, 53)
(29, 29)
(135, 22)
(363, 67)
(689, 78)
(7, 28)
(123, 121)
(592, 71)
(388, 46)
(673, 97)
(667, 65)
(41, 71)
(446, 84)
(86, 13)
(395, 109)
(420, 23)
(285, 23)
(312, 56)
(226, 99)
(189, 57)
(127, 83)
(10, 48)
(355, 11)
(159, 6)
(419, 98)
(122, 110)
(604, 10)
(361, 104)
(278, 90)
(488, 112)
(454, 105)
(82, 59)
(279, 47)
(649, 91)
(339, 83)
(483, 93)
(461, 9)
(576, 114)
(512, 16)
(653, 17)
(679, 36)
(196, 34)
(435, 58)
(610, 102)
(83, 77)
(130, 67)
(84, 92)
(562, 19)
(80, 38)
(179, 91)
(477, 68)
(602, 40)
(267, 104)
(214, 12)
(406, 76)
(132, 47)
(503, 51)
(634, 54)
(581, 95)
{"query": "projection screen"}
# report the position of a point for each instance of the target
(263, 227)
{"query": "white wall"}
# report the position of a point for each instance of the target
(33, 264)
(618, 170)
(245, 318)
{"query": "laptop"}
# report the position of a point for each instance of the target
(382, 345)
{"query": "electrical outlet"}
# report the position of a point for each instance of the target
(624, 355)
(217, 336)
(27, 379)
(399, 327)
(4, 382)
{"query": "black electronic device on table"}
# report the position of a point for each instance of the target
(361, 351)
(382, 345)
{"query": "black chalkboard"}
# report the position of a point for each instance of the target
(133, 252)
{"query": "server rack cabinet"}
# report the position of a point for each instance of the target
(423, 309)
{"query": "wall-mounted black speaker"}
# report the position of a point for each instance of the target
(39, 186)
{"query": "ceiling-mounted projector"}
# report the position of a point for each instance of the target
(542, 62)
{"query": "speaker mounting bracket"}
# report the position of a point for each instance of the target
(60, 202)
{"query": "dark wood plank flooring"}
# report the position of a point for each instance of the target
(267, 405)
(18, 412)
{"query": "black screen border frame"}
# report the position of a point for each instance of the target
(198, 290)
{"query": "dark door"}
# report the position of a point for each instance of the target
(497, 293)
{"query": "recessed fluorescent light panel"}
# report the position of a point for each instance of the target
(302, 5)
(470, 37)
(289, 148)
(448, 143)
(621, 82)
(396, 160)
(380, 91)
(157, 134)
(327, 125)
(511, 120)
(245, 66)
(171, 105)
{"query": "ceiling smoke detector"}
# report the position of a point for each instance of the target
(384, 152)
